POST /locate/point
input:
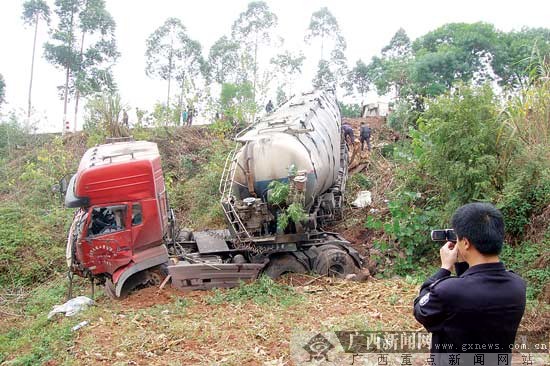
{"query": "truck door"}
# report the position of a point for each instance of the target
(108, 243)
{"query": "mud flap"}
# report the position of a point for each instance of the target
(203, 276)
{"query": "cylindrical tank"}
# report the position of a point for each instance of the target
(304, 134)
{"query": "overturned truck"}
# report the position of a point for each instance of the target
(284, 181)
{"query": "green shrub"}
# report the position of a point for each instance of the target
(294, 212)
(359, 181)
(350, 110)
(407, 227)
(221, 129)
(403, 117)
(198, 197)
(528, 194)
(11, 136)
(263, 291)
(527, 259)
(278, 192)
(462, 146)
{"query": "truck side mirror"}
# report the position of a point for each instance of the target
(61, 187)
(63, 184)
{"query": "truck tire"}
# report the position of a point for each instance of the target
(137, 279)
(285, 263)
(333, 261)
(110, 291)
(156, 275)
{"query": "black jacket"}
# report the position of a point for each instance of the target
(365, 132)
(482, 306)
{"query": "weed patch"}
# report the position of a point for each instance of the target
(263, 291)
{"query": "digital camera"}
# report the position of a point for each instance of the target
(444, 235)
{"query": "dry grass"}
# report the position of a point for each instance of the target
(190, 330)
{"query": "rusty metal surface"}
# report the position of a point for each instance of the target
(210, 242)
(204, 276)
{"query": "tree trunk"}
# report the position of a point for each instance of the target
(169, 80)
(322, 41)
(255, 73)
(32, 66)
(77, 92)
(65, 97)
(67, 73)
(255, 68)
(181, 100)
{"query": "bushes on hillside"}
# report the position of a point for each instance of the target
(466, 149)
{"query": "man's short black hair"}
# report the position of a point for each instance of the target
(482, 224)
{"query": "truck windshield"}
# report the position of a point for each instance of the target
(107, 219)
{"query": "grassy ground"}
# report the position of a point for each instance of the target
(248, 325)
(251, 325)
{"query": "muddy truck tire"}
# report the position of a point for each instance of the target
(282, 264)
(334, 261)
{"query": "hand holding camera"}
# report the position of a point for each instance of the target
(448, 252)
(449, 255)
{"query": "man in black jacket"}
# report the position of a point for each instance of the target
(480, 309)
(364, 135)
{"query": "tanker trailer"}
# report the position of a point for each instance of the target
(299, 150)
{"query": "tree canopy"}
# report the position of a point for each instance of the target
(252, 28)
(324, 26)
(224, 60)
(172, 54)
(2, 90)
(471, 53)
(358, 79)
(83, 45)
(35, 10)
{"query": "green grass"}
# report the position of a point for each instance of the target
(522, 259)
(32, 339)
(263, 291)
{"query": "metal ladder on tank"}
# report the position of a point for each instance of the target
(242, 236)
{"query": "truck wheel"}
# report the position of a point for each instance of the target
(286, 263)
(157, 275)
(129, 285)
(334, 262)
(110, 290)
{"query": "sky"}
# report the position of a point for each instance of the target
(367, 26)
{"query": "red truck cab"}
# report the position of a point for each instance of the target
(120, 227)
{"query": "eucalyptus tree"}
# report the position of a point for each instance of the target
(190, 68)
(392, 70)
(324, 26)
(289, 66)
(223, 60)
(2, 90)
(94, 62)
(33, 12)
(87, 69)
(171, 54)
(324, 78)
(358, 79)
(251, 29)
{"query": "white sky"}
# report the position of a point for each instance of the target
(366, 25)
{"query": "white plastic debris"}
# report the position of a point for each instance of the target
(364, 199)
(72, 307)
(80, 325)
